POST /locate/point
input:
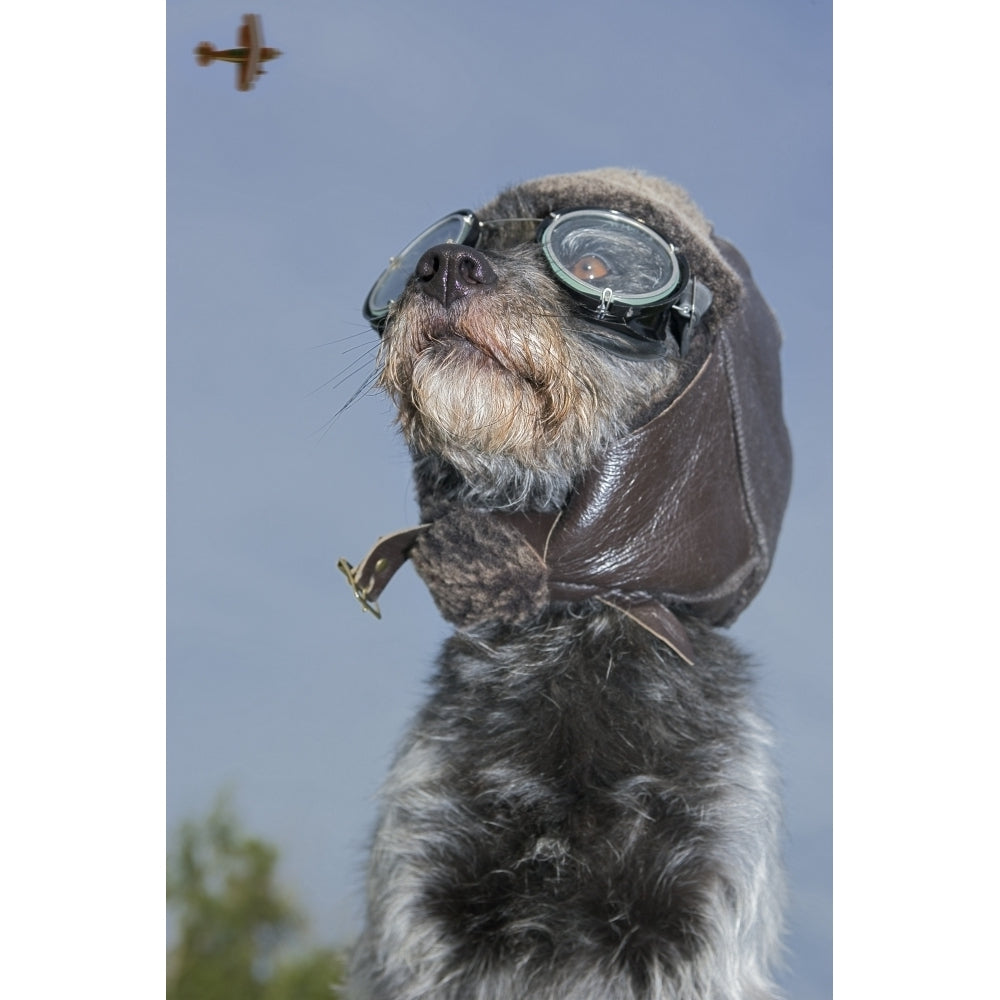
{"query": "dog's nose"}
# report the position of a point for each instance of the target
(451, 271)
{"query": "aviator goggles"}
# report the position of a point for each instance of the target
(622, 275)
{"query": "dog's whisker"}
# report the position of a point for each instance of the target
(356, 367)
(362, 389)
(368, 349)
(366, 333)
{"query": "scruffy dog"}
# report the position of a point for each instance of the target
(585, 808)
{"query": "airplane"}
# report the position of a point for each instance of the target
(248, 55)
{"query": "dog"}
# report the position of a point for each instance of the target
(586, 806)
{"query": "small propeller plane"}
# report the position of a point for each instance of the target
(248, 55)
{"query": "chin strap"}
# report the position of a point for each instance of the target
(387, 555)
(373, 574)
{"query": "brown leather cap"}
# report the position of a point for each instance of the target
(683, 514)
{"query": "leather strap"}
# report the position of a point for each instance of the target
(373, 574)
(656, 618)
(389, 552)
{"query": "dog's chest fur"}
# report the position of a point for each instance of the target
(594, 822)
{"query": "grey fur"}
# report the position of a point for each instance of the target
(498, 577)
(576, 814)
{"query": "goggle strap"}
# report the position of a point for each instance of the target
(692, 305)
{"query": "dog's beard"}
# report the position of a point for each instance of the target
(510, 397)
(490, 392)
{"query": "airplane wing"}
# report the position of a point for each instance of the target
(251, 22)
(249, 39)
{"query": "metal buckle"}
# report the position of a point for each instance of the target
(359, 592)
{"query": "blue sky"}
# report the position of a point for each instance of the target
(282, 207)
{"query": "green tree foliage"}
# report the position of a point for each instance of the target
(235, 927)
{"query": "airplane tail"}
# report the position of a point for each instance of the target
(205, 52)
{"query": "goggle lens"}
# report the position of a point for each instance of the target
(459, 227)
(592, 251)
